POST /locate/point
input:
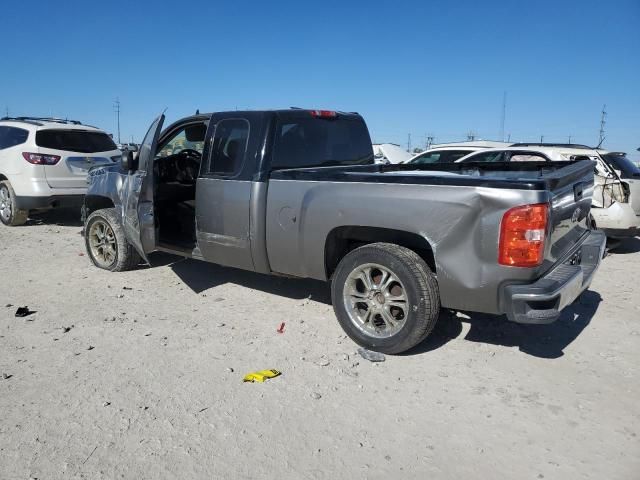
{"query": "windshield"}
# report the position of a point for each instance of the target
(622, 163)
(442, 156)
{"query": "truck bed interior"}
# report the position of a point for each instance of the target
(175, 173)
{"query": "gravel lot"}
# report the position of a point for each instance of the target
(146, 383)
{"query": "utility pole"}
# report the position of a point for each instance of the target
(471, 136)
(504, 114)
(602, 124)
(409, 144)
(541, 138)
(7, 111)
(116, 108)
(569, 139)
(509, 138)
(430, 139)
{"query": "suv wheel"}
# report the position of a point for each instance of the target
(9, 214)
(385, 297)
(106, 243)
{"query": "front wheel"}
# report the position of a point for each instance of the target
(106, 243)
(10, 214)
(385, 297)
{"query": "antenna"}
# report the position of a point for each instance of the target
(116, 108)
(603, 116)
(504, 114)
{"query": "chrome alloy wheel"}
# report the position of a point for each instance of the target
(5, 203)
(375, 300)
(102, 242)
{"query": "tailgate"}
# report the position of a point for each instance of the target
(71, 171)
(79, 149)
(572, 190)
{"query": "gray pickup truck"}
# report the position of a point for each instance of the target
(296, 192)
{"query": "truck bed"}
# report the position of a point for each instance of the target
(455, 208)
(506, 175)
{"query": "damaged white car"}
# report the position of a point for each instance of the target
(614, 195)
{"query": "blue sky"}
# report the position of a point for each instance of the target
(419, 67)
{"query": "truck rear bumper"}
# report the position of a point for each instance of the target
(541, 302)
(53, 201)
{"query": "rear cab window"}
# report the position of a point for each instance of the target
(12, 136)
(303, 140)
(82, 141)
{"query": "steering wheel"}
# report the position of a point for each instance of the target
(187, 165)
(190, 152)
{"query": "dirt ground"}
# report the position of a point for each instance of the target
(138, 375)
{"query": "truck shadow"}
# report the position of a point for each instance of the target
(200, 276)
(543, 341)
(628, 245)
(66, 217)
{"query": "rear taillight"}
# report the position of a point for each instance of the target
(40, 159)
(323, 113)
(522, 233)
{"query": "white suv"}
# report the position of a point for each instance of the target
(44, 164)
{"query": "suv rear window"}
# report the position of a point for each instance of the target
(75, 140)
(12, 136)
(303, 142)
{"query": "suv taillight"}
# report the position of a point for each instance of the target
(40, 159)
(522, 233)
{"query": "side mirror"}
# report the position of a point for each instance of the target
(128, 161)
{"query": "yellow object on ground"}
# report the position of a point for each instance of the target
(261, 376)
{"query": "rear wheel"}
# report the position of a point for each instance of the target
(385, 297)
(10, 214)
(106, 243)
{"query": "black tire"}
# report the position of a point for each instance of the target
(126, 257)
(15, 216)
(613, 243)
(419, 286)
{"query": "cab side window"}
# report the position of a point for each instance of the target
(228, 147)
(12, 136)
